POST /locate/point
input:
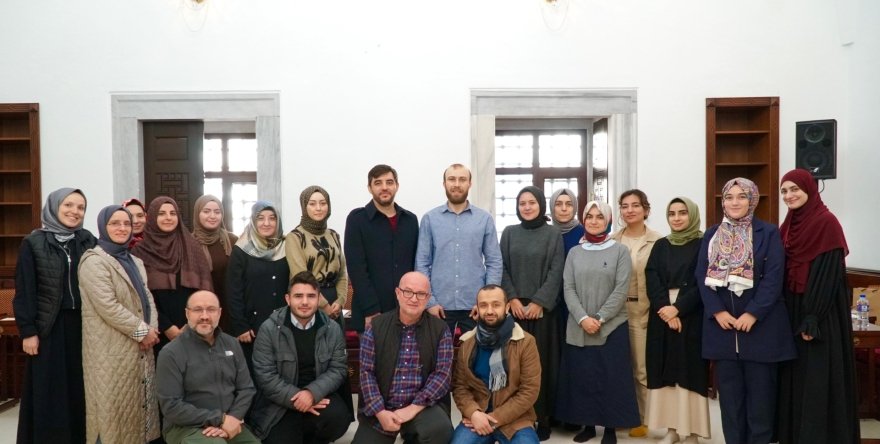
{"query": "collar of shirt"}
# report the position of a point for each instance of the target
(299, 326)
(449, 210)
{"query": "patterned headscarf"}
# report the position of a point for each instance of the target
(602, 241)
(254, 244)
(49, 217)
(567, 226)
(210, 237)
(692, 230)
(315, 227)
(731, 259)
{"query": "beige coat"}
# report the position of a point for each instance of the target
(121, 404)
(638, 313)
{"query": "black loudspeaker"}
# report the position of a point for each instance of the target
(817, 148)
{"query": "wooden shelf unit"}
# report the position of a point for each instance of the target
(742, 140)
(20, 196)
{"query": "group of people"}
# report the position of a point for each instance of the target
(153, 332)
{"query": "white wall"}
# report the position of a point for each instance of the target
(369, 82)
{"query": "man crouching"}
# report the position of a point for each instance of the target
(497, 376)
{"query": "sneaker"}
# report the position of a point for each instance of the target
(639, 432)
(588, 433)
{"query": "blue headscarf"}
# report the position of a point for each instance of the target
(120, 253)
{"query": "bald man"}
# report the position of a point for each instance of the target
(202, 380)
(406, 364)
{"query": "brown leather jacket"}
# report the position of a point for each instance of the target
(513, 405)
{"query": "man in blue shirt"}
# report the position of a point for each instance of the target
(458, 250)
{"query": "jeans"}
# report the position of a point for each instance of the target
(464, 435)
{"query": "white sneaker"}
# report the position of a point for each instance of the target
(670, 438)
(692, 439)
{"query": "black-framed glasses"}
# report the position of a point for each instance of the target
(420, 295)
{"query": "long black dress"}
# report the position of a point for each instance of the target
(671, 357)
(817, 391)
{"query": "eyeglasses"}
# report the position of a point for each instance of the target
(200, 310)
(117, 224)
(420, 295)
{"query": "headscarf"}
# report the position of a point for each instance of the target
(808, 231)
(120, 253)
(497, 339)
(541, 219)
(135, 237)
(731, 259)
(601, 241)
(692, 230)
(313, 226)
(567, 226)
(49, 217)
(252, 243)
(210, 237)
(166, 254)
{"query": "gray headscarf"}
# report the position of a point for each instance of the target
(49, 218)
(567, 226)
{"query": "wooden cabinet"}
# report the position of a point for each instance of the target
(742, 140)
(20, 198)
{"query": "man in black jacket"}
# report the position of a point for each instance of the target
(299, 365)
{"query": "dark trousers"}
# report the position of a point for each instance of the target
(747, 396)
(461, 318)
(430, 426)
(299, 428)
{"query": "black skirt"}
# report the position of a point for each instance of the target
(596, 384)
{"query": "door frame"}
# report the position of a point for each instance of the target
(129, 110)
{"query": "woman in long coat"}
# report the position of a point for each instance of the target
(210, 231)
(47, 310)
(678, 376)
(532, 276)
(639, 239)
(119, 331)
(818, 389)
(746, 330)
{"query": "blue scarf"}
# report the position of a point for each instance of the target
(496, 338)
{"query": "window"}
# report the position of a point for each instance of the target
(549, 159)
(230, 164)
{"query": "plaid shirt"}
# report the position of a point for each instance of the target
(406, 385)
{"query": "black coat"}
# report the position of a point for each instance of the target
(254, 288)
(674, 358)
(376, 258)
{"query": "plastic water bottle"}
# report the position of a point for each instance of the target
(862, 307)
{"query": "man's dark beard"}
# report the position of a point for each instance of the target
(493, 325)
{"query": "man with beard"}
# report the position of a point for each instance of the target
(406, 366)
(202, 379)
(458, 251)
(380, 247)
(300, 365)
(497, 376)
